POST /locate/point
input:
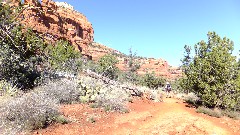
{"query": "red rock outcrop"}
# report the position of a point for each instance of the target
(159, 66)
(148, 65)
(57, 20)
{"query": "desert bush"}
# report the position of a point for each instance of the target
(212, 72)
(18, 58)
(20, 50)
(91, 119)
(177, 86)
(64, 91)
(192, 98)
(61, 119)
(157, 95)
(132, 65)
(113, 98)
(62, 56)
(231, 114)
(215, 113)
(7, 89)
(26, 59)
(219, 112)
(38, 108)
(107, 66)
(31, 111)
(110, 97)
(151, 80)
(189, 98)
(151, 94)
(89, 88)
(180, 96)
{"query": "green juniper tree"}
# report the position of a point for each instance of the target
(212, 72)
(20, 50)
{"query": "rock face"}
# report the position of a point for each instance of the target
(159, 66)
(58, 20)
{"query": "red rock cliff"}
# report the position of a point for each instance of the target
(57, 20)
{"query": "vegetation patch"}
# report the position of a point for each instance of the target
(63, 91)
(210, 112)
(61, 119)
(231, 114)
(192, 99)
(31, 111)
(212, 72)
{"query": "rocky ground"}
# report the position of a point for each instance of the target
(170, 117)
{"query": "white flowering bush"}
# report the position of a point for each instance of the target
(63, 90)
(151, 94)
(31, 111)
(108, 96)
(38, 108)
(113, 98)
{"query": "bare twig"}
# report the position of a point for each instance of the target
(8, 36)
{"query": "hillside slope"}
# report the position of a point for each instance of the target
(59, 20)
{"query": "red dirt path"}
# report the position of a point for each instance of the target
(170, 117)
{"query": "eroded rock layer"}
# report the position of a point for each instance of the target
(57, 20)
(148, 65)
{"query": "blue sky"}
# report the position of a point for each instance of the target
(160, 28)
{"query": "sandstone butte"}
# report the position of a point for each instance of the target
(59, 20)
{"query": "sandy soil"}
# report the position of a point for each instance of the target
(170, 117)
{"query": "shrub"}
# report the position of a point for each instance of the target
(18, 58)
(63, 91)
(91, 119)
(107, 66)
(20, 50)
(31, 111)
(219, 113)
(191, 98)
(177, 86)
(61, 119)
(152, 81)
(89, 89)
(62, 56)
(212, 72)
(110, 97)
(150, 94)
(231, 114)
(132, 65)
(7, 89)
(210, 112)
(111, 103)
(38, 108)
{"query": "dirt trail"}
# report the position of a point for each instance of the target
(167, 118)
